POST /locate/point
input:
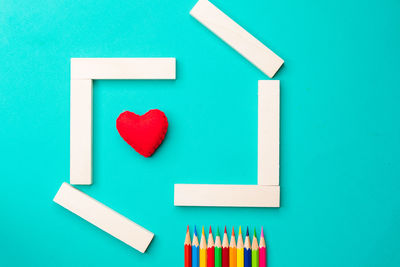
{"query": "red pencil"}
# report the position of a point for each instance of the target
(210, 250)
(188, 249)
(225, 250)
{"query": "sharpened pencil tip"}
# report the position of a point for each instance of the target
(247, 232)
(202, 231)
(195, 232)
(187, 229)
(210, 230)
(262, 231)
(217, 231)
(240, 230)
(225, 229)
(233, 230)
(255, 234)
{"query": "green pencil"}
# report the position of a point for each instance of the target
(218, 250)
(254, 251)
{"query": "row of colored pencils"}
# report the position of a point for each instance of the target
(225, 254)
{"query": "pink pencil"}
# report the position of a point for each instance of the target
(262, 250)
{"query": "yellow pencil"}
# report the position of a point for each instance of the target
(232, 250)
(240, 250)
(203, 250)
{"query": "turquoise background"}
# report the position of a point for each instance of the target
(340, 130)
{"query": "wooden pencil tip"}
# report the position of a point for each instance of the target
(262, 231)
(195, 232)
(187, 229)
(210, 230)
(247, 232)
(225, 229)
(233, 230)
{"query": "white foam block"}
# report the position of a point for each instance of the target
(226, 195)
(268, 132)
(81, 132)
(103, 217)
(237, 37)
(123, 68)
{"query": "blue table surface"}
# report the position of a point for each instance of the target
(340, 130)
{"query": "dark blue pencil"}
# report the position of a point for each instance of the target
(247, 250)
(195, 249)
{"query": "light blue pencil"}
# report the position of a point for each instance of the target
(195, 249)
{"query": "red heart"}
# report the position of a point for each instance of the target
(144, 133)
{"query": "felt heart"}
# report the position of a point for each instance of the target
(144, 133)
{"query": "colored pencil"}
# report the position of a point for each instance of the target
(195, 249)
(203, 250)
(254, 251)
(240, 250)
(210, 250)
(225, 250)
(263, 250)
(188, 249)
(218, 250)
(247, 250)
(232, 250)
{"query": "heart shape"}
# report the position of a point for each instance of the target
(144, 133)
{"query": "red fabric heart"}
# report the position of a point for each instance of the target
(144, 133)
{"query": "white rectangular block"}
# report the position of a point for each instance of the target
(268, 132)
(123, 68)
(226, 195)
(237, 37)
(103, 217)
(81, 132)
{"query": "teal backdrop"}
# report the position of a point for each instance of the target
(340, 130)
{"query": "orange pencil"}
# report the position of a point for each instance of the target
(232, 250)
(225, 250)
(210, 250)
(188, 249)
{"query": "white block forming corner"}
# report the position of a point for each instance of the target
(81, 132)
(237, 37)
(103, 217)
(123, 68)
(83, 71)
(268, 132)
(226, 195)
